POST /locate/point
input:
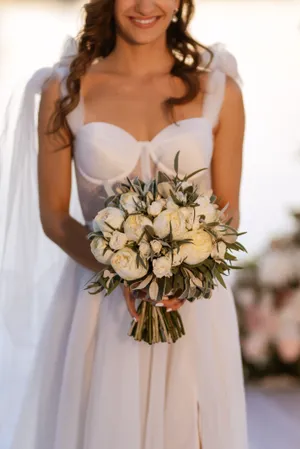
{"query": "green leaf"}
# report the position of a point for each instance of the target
(176, 162)
(220, 279)
(150, 231)
(195, 173)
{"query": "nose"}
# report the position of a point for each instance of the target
(145, 7)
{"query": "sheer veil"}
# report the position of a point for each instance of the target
(30, 264)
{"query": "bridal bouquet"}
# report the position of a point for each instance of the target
(164, 238)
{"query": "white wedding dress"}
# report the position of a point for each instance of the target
(93, 387)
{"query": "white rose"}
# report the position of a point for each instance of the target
(118, 240)
(164, 189)
(134, 226)
(225, 234)
(155, 208)
(162, 222)
(125, 265)
(218, 251)
(171, 205)
(162, 267)
(186, 184)
(181, 197)
(145, 250)
(129, 201)
(111, 215)
(156, 246)
(98, 246)
(199, 250)
(149, 198)
(206, 208)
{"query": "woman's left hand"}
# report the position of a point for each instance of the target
(171, 303)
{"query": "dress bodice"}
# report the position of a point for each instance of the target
(105, 154)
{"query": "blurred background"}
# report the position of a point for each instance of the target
(265, 38)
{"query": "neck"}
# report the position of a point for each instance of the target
(141, 60)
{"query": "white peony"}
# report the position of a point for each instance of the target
(111, 215)
(134, 226)
(171, 205)
(199, 250)
(118, 240)
(125, 265)
(98, 246)
(129, 201)
(162, 267)
(162, 222)
(145, 249)
(156, 246)
(206, 208)
(155, 208)
(218, 251)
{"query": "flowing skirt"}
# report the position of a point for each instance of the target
(93, 387)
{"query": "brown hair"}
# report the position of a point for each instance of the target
(98, 39)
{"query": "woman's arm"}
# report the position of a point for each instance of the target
(227, 156)
(54, 173)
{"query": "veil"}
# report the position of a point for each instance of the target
(30, 264)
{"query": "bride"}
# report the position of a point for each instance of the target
(134, 90)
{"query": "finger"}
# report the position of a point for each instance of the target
(130, 301)
(171, 304)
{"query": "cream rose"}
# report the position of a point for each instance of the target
(134, 226)
(156, 246)
(98, 246)
(162, 267)
(118, 240)
(145, 249)
(218, 251)
(125, 265)
(111, 215)
(164, 189)
(129, 201)
(162, 222)
(155, 208)
(199, 250)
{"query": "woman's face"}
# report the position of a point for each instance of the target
(144, 21)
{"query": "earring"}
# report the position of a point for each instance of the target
(175, 18)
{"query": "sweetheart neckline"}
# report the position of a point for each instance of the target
(177, 124)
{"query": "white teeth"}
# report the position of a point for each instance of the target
(145, 21)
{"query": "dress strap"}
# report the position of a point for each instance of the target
(223, 64)
(214, 98)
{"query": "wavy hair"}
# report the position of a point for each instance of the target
(97, 39)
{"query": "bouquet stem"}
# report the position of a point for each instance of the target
(156, 325)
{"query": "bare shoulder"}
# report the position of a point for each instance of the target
(51, 92)
(233, 98)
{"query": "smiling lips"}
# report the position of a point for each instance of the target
(146, 22)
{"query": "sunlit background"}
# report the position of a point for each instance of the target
(265, 38)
